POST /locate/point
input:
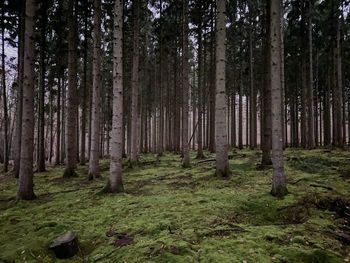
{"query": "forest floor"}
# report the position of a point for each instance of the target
(171, 214)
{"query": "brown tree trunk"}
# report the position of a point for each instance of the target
(279, 187)
(135, 85)
(115, 183)
(71, 118)
(94, 168)
(25, 182)
(221, 144)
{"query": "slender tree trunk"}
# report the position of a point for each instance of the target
(135, 85)
(71, 119)
(25, 182)
(41, 132)
(115, 183)
(19, 102)
(185, 85)
(94, 168)
(279, 187)
(4, 95)
(240, 112)
(266, 123)
(200, 154)
(310, 100)
(85, 90)
(221, 145)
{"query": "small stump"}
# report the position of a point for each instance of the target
(65, 246)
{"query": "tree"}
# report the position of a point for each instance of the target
(41, 126)
(221, 146)
(25, 182)
(279, 187)
(135, 85)
(115, 183)
(4, 95)
(71, 118)
(94, 169)
(185, 86)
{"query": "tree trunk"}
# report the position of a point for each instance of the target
(25, 182)
(115, 183)
(221, 146)
(200, 154)
(19, 102)
(94, 168)
(71, 118)
(4, 95)
(135, 85)
(185, 85)
(85, 90)
(279, 187)
(266, 100)
(41, 132)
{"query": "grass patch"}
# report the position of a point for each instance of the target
(182, 215)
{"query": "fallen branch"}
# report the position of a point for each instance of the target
(206, 161)
(322, 186)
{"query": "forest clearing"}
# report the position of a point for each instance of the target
(187, 215)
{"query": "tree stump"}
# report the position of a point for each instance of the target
(65, 246)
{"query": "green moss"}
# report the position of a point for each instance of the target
(180, 215)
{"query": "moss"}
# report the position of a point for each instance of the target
(180, 215)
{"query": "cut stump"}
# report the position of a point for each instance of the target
(65, 246)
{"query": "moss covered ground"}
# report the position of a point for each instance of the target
(172, 214)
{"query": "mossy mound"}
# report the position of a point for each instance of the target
(172, 214)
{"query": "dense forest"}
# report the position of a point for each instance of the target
(187, 131)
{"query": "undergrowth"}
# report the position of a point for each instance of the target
(183, 215)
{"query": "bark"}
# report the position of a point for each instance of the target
(94, 168)
(4, 94)
(25, 182)
(135, 85)
(19, 102)
(41, 131)
(115, 183)
(221, 146)
(85, 90)
(253, 118)
(266, 100)
(310, 90)
(185, 85)
(200, 154)
(71, 118)
(279, 187)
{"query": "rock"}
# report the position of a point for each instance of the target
(65, 246)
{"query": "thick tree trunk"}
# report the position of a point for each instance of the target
(279, 187)
(71, 118)
(25, 182)
(221, 145)
(94, 168)
(115, 183)
(135, 85)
